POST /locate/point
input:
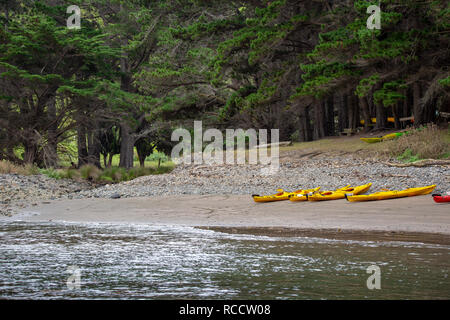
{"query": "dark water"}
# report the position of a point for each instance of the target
(168, 262)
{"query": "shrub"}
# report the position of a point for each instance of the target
(30, 169)
(106, 178)
(408, 156)
(90, 172)
(51, 173)
(156, 156)
(70, 174)
(423, 143)
(295, 136)
(8, 167)
(87, 172)
(113, 174)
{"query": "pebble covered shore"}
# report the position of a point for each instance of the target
(17, 192)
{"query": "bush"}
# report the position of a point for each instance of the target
(87, 172)
(7, 167)
(408, 156)
(106, 178)
(295, 136)
(70, 174)
(51, 173)
(90, 172)
(423, 143)
(113, 174)
(156, 156)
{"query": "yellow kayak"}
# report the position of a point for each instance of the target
(382, 195)
(282, 195)
(372, 140)
(389, 136)
(303, 196)
(339, 193)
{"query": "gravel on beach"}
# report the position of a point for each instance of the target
(17, 192)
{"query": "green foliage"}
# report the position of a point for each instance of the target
(159, 64)
(235, 102)
(390, 94)
(156, 156)
(445, 82)
(108, 175)
(320, 77)
(366, 85)
(73, 174)
(407, 156)
(90, 172)
(51, 173)
(295, 136)
(350, 51)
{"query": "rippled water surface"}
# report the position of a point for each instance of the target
(172, 262)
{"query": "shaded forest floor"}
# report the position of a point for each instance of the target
(431, 143)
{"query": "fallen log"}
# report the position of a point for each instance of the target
(275, 144)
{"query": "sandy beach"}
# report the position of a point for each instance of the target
(406, 219)
(218, 198)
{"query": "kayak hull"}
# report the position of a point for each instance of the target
(384, 195)
(282, 195)
(299, 197)
(441, 199)
(339, 193)
(371, 140)
(389, 136)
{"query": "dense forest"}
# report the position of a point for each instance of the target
(136, 70)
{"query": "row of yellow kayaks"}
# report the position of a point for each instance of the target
(350, 193)
(388, 194)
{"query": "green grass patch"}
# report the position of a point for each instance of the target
(51, 173)
(108, 175)
(408, 156)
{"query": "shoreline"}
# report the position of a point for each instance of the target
(299, 169)
(338, 234)
(415, 219)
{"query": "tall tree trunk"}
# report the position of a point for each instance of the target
(110, 160)
(10, 146)
(357, 111)
(304, 126)
(342, 113)
(319, 120)
(30, 153)
(395, 112)
(366, 113)
(82, 146)
(51, 149)
(406, 104)
(381, 116)
(329, 110)
(351, 112)
(416, 105)
(126, 146)
(141, 160)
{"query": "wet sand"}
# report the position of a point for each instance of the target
(406, 219)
